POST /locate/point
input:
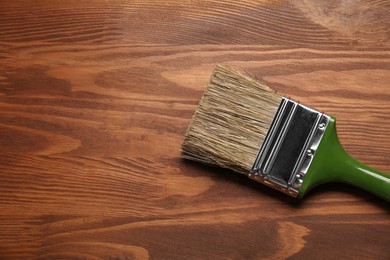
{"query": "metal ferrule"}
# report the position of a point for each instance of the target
(289, 147)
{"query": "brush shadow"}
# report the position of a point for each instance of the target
(228, 176)
(343, 188)
(233, 178)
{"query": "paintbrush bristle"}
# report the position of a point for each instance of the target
(231, 121)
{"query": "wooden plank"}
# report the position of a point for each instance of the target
(95, 97)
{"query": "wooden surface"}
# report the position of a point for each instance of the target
(95, 97)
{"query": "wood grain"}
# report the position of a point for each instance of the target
(95, 98)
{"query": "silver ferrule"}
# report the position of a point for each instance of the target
(289, 147)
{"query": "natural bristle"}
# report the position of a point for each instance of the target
(231, 121)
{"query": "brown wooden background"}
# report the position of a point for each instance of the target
(95, 97)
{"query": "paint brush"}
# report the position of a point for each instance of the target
(243, 125)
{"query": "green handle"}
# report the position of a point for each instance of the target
(332, 163)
